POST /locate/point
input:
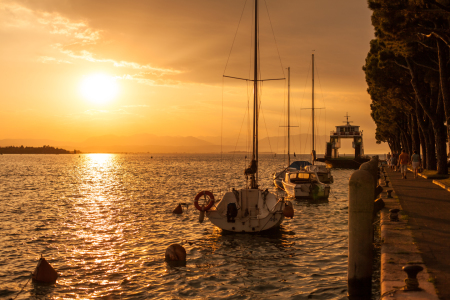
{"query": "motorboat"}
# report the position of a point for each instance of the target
(294, 166)
(305, 184)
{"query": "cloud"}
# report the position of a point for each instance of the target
(89, 56)
(48, 59)
(78, 39)
(142, 79)
(15, 15)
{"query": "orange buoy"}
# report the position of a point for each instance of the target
(44, 272)
(288, 210)
(178, 210)
(175, 252)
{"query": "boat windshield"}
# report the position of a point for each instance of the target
(302, 175)
(299, 177)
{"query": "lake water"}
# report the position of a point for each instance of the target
(104, 221)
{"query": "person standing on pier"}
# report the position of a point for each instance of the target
(403, 161)
(394, 161)
(415, 162)
(388, 159)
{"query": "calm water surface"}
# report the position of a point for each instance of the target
(104, 221)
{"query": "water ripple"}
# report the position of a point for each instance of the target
(104, 221)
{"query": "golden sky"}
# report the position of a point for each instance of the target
(74, 69)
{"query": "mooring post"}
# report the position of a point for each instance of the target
(372, 167)
(360, 231)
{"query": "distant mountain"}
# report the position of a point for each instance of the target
(173, 144)
(300, 143)
(145, 139)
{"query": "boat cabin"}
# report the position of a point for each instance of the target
(300, 177)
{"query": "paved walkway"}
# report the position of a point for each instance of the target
(428, 208)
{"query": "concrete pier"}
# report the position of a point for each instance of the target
(420, 237)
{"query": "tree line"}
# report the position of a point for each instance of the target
(35, 150)
(407, 73)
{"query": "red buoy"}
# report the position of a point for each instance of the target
(175, 252)
(178, 210)
(44, 272)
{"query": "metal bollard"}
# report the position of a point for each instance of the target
(412, 284)
(389, 193)
(360, 228)
(393, 214)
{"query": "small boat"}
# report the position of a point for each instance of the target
(306, 185)
(248, 209)
(294, 166)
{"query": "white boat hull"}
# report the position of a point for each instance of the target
(257, 211)
(305, 188)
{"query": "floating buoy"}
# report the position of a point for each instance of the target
(201, 217)
(44, 272)
(175, 252)
(288, 210)
(178, 210)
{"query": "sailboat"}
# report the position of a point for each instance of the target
(248, 209)
(296, 165)
(306, 183)
(323, 173)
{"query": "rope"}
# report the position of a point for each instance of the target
(22, 289)
(265, 124)
(333, 195)
(392, 291)
(234, 39)
(273, 34)
(357, 162)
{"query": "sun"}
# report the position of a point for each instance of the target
(99, 88)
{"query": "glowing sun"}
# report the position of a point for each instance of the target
(99, 88)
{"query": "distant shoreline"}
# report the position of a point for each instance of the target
(35, 150)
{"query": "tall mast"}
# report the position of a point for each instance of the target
(289, 115)
(313, 150)
(255, 101)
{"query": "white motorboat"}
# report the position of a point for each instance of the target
(305, 185)
(294, 166)
(322, 172)
(249, 209)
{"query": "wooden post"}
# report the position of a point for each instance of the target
(360, 230)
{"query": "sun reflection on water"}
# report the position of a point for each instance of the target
(99, 231)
